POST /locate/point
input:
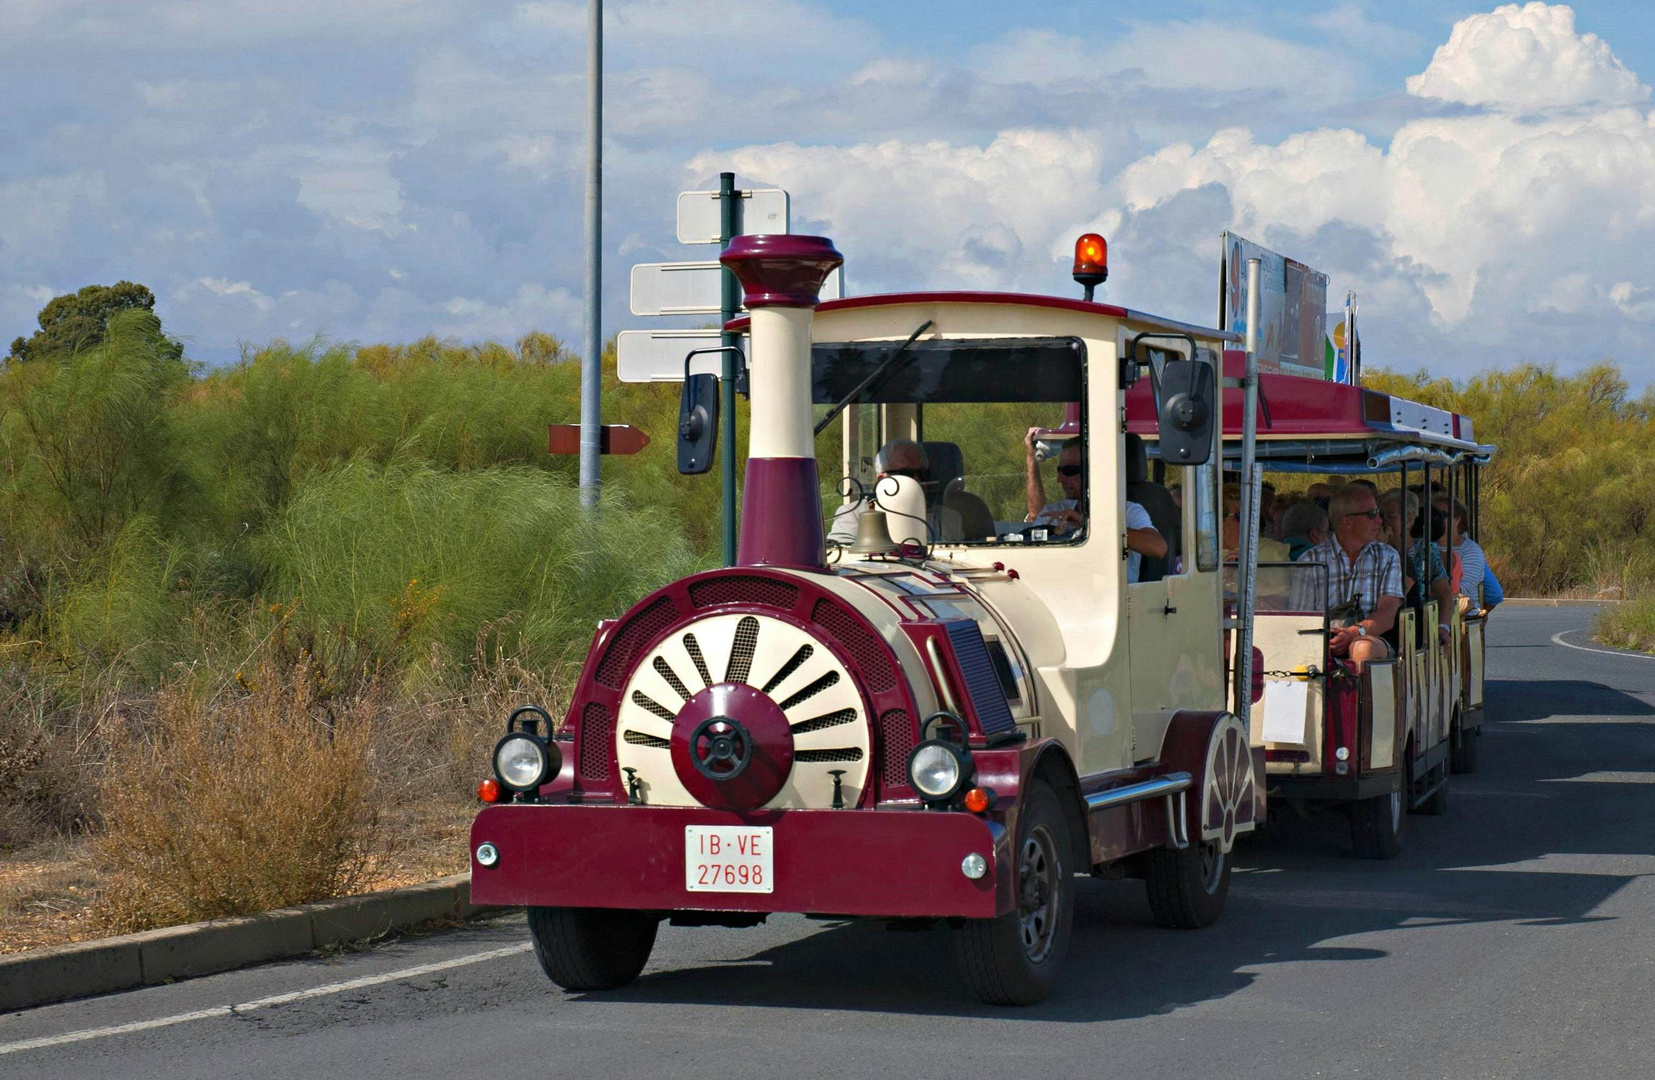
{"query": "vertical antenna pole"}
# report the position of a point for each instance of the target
(1251, 475)
(730, 294)
(591, 361)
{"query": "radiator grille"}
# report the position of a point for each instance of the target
(849, 753)
(596, 730)
(865, 649)
(625, 646)
(743, 589)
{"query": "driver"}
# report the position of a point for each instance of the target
(1068, 515)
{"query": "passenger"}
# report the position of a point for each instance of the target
(1362, 570)
(1268, 550)
(899, 457)
(1424, 570)
(1068, 514)
(1267, 509)
(1477, 580)
(1362, 481)
(1303, 526)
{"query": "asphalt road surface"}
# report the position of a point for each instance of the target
(1513, 938)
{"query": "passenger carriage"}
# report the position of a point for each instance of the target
(946, 718)
(1383, 743)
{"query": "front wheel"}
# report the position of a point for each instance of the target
(1014, 959)
(1187, 887)
(592, 948)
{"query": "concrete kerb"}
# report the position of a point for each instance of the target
(41, 976)
(1560, 601)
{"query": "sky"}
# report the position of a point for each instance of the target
(1482, 177)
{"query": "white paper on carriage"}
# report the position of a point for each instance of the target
(1286, 701)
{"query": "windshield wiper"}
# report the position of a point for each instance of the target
(886, 368)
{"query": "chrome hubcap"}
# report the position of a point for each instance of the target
(1038, 892)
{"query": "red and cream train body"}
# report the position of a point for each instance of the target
(947, 731)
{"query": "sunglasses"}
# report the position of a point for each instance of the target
(1068, 470)
(1369, 514)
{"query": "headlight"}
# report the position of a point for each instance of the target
(938, 769)
(521, 762)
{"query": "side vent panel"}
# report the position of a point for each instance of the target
(866, 651)
(988, 698)
(597, 732)
(897, 740)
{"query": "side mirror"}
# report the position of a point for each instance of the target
(1187, 412)
(697, 424)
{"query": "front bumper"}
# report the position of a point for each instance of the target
(891, 863)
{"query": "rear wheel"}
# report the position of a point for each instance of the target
(592, 948)
(1014, 959)
(1187, 887)
(1467, 742)
(1376, 826)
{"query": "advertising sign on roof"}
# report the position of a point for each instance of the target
(1292, 336)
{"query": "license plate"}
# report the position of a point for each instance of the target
(729, 858)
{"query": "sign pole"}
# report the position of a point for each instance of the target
(727, 197)
(591, 363)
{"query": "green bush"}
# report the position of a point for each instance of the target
(405, 556)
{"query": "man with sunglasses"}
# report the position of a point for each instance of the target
(1363, 568)
(1068, 514)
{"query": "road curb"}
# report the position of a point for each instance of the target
(41, 976)
(1554, 601)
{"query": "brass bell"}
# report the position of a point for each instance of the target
(873, 535)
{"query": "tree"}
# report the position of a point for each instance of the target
(79, 320)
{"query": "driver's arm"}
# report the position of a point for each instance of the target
(1141, 534)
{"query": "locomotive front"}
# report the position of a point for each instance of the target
(771, 737)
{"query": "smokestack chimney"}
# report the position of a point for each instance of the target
(781, 512)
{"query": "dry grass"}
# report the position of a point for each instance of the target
(230, 807)
(221, 796)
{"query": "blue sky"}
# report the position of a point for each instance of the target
(376, 170)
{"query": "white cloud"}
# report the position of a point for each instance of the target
(1202, 55)
(894, 206)
(223, 288)
(1526, 59)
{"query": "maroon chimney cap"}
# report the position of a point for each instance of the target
(780, 269)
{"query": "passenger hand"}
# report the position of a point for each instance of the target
(1069, 520)
(1028, 441)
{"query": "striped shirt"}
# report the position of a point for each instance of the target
(1475, 565)
(1376, 572)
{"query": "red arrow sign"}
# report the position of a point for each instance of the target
(613, 439)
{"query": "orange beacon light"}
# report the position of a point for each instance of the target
(1091, 261)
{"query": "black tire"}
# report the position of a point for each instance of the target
(1376, 825)
(1014, 959)
(1187, 888)
(592, 948)
(1463, 757)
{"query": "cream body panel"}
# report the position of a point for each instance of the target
(1382, 680)
(780, 374)
(888, 624)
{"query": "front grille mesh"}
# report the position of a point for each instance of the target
(597, 728)
(896, 742)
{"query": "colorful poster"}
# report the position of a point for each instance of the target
(1292, 307)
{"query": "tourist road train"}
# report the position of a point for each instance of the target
(985, 684)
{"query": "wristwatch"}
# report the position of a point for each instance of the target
(1361, 631)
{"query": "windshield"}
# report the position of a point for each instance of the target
(955, 415)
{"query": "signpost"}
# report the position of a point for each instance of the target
(704, 288)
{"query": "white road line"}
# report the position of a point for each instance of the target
(264, 1002)
(1557, 639)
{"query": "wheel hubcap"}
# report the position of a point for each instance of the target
(1038, 892)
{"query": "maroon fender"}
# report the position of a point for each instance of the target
(892, 863)
(1222, 799)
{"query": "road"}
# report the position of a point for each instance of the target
(1513, 938)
